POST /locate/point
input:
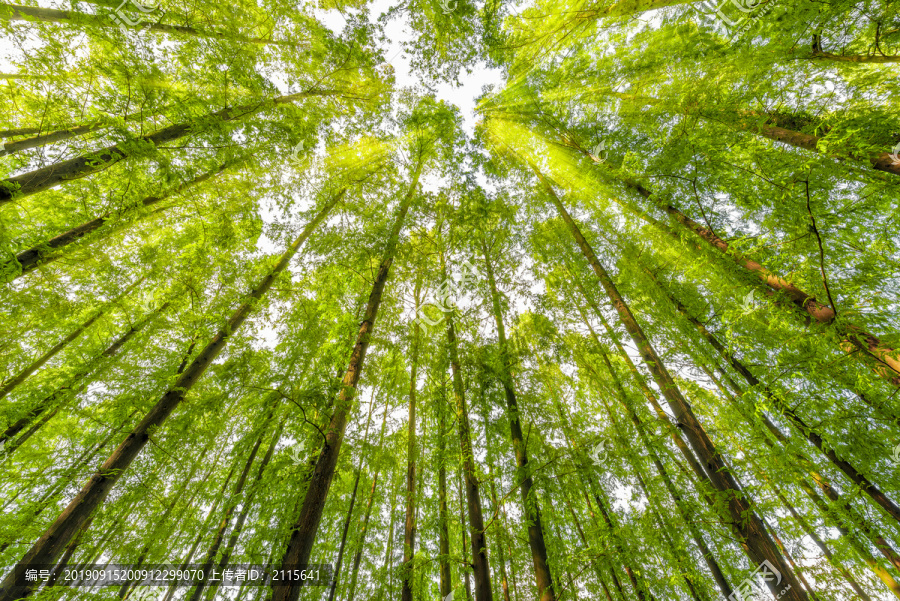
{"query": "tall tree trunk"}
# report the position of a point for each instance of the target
(683, 509)
(364, 530)
(388, 565)
(340, 557)
(10, 384)
(826, 552)
(303, 534)
(480, 567)
(530, 504)
(59, 395)
(61, 135)
(495, 504)
(245, 509)
(462, 530)
(811, 435)
(12, 12)
(50, 250)
(207, 522)
(236, 494)
(163, 520)
(853, 339)
(746, 525)
(51, 544)
(409, 530)
(26, 184)
(446, 582)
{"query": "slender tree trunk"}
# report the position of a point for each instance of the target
(10, 384)
(91, 497)
(852, 339)
(684, 510)
(26, 184)
(388, 566)
(11, 12)
(826, 552)
(245, 510)
(364, 530)
(746, 525)
(53, 137)
(206, 524)
(409, 530)
(236, 494)
(163, 520)
(480, 567)
(50, 250)
(465, 545)
(59, 395)
(597, 571)
(340, 557)
(495, 504)
(446, 583)
(811, 435)
(530, 504)
(304, 530)
(653, 507)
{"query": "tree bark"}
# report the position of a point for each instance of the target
(446, 582)
(409, 530)
(60, 135)
(361, 541)
(854, 340)
(51, 544)
(304, 530)
(26, 184)
(340, 557)
(11, 12)
(51, 250)
(236, 494)
(10, 384)
(746, 525)
(530, 504)
(59, 395)
(480, 567)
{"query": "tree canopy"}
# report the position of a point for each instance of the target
(626, 331)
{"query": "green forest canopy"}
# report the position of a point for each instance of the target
(626, 332)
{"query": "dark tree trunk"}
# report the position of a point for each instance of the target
(12, 12)
(409, 530)
(746, 525)
(10, 384)
(480, 567)
(51, 544)
(26, 184)
(530, 504)
(73, 385)
(303, 532)
(50, 250)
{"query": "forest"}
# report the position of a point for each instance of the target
(450, 300)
